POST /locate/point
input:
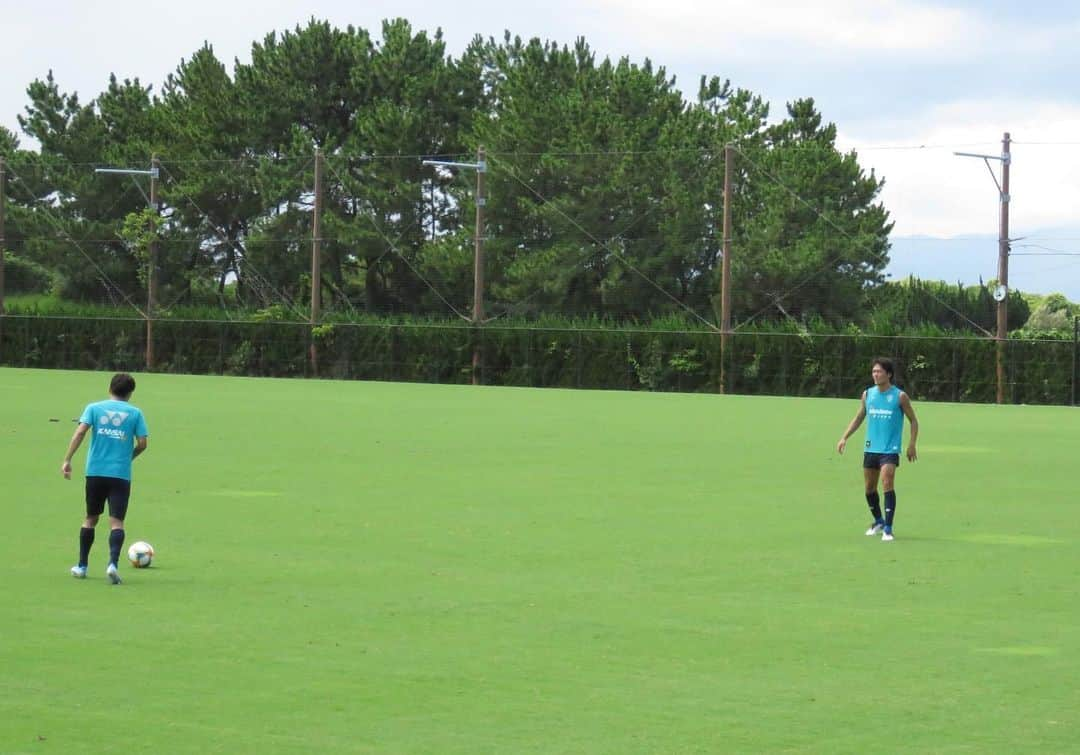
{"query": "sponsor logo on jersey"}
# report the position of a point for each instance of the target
(110, 425)
(113, 418)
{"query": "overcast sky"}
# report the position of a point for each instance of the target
(907, 83)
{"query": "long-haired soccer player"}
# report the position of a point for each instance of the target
(886, 406)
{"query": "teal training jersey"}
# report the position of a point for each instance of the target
(114, 425)
(884, 420)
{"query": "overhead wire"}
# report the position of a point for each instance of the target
(49, 215)
(224, 236)
(393, 246)
(607, 247)
(829, 261)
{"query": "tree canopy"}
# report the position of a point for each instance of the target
(604, 183)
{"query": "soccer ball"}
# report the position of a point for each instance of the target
(140, 554)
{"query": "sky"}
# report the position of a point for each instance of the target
(907, 83)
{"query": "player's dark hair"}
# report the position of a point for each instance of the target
(886, 364)
(122, 385)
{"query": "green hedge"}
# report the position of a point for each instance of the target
(22, 276)
(796, 364)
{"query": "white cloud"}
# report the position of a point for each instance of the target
(808, 48)
(833, 29)
(1041, 41)
(930, 191)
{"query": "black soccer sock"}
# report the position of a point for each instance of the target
(116, 542)
(890, 507)
(874, 502)
(86, 539)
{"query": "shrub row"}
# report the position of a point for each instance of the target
(796, 364)
(23, 276)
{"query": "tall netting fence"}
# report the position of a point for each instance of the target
(598, 269)
(767, 363)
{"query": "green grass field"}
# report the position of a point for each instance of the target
(384, 568)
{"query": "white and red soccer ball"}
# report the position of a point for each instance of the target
(141, 554)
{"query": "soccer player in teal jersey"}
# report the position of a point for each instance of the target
(119, 434)
(886, 406)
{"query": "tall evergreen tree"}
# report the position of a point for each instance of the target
(816, 236)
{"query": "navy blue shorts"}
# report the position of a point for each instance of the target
(112, 489)
(876, 461)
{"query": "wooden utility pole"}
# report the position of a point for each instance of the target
(1076, 358)
(3, 175)
(478, 267)
(1003, 270)
(316, 258)
(1001, 293)
(480, 166)
(431, 195)
(152, 283)
(725, 271)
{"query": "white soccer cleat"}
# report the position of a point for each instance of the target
(886, 537)
(875, 529)
(79, 572)
(113, 574)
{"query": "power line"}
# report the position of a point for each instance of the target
(836, 258)
(48, 214)
(393, 246)
(607, 247)
(1047, 251)
(913, 147)
(845, 143)
(518, 306)
(224, 236)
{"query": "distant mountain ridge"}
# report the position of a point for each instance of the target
(1042, 262)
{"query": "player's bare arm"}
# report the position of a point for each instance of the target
(853, 425)
(909, 412)
(140, 446)
(73, 446)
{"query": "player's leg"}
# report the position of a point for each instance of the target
(96, 494)
(119, 494)
(871, 473)
(888, 480)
